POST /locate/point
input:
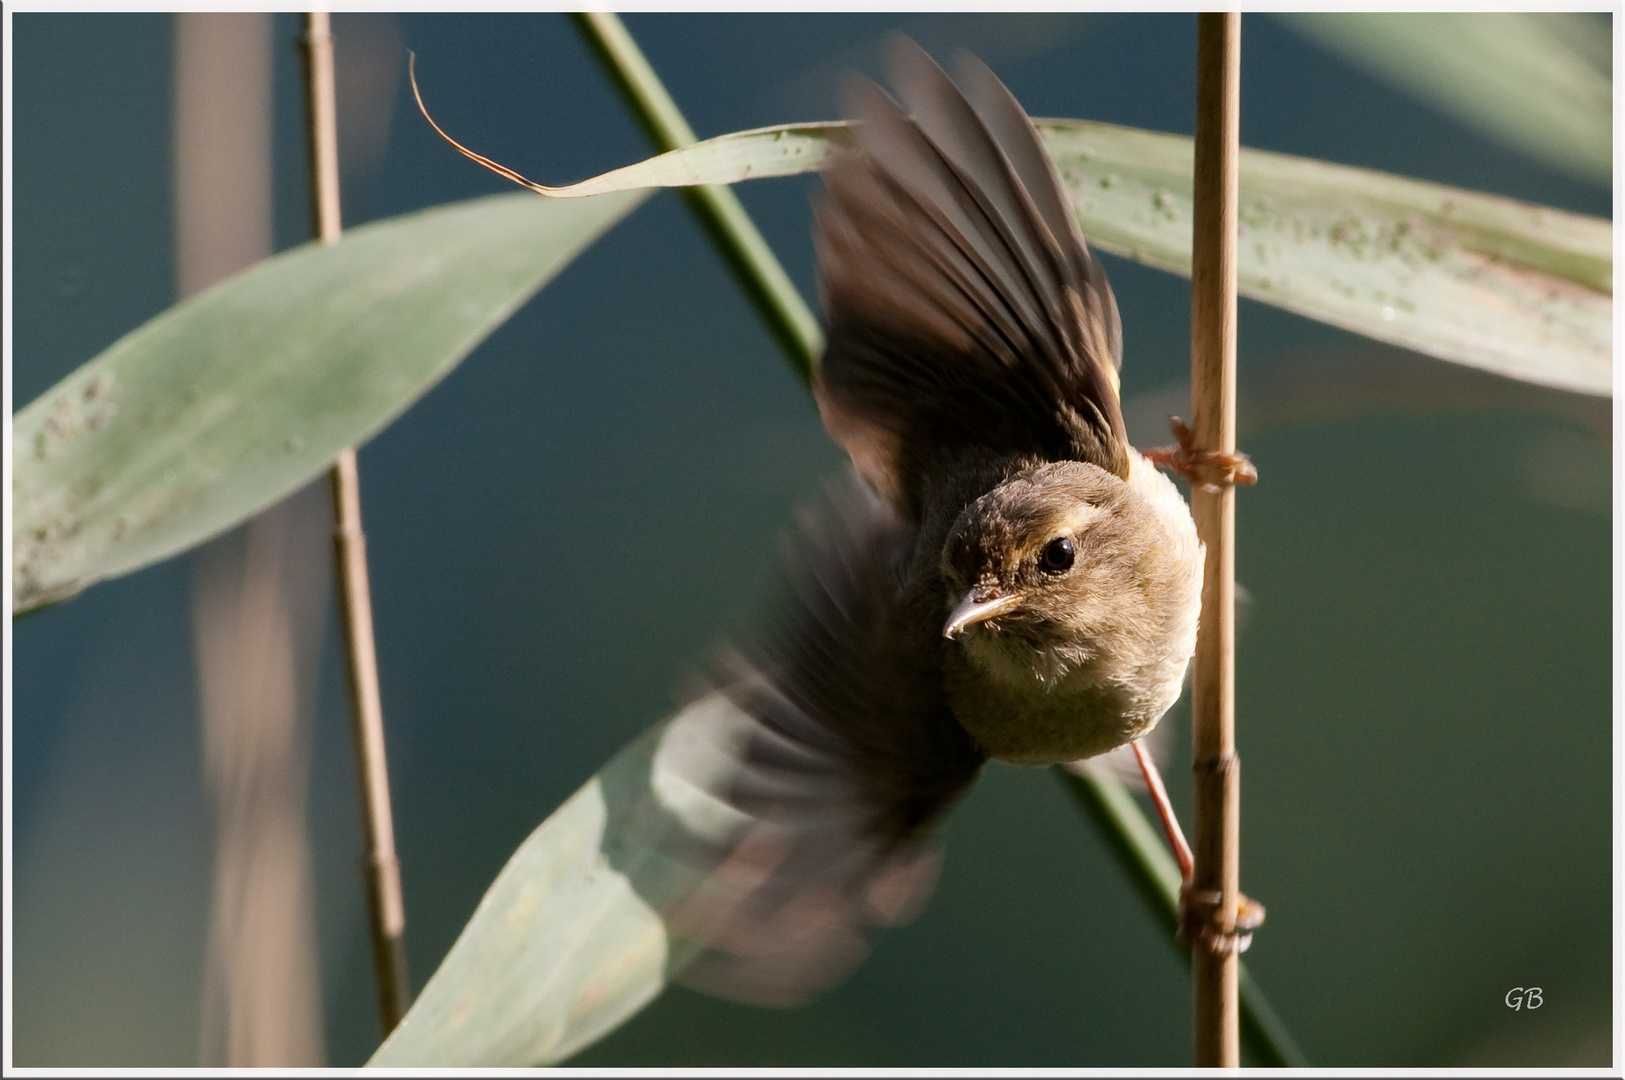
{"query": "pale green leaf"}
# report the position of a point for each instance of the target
(1523, 291)
(560, 951)
(1520, 290)
(229, 401)
(727, 159)
(569, 941)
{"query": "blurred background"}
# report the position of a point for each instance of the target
(561, 530)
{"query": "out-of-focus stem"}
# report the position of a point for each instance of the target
(258, 601)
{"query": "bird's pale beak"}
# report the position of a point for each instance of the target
(978, 605)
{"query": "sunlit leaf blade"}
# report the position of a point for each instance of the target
(569, 940)
(1523, 291)
(227, 402)
(1538, 82)
(1520, 290)
(560, 950)
(647, 869)
(785, 150)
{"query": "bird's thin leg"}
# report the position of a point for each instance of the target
(1165, 811)
(1198, 911)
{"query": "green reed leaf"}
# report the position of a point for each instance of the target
(230, 400)
(1519, 290)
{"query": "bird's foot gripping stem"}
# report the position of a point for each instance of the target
(1209, 469)
(1200, 921)
(1200, 910)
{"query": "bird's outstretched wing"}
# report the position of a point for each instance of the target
(964, 308)
(800, 794)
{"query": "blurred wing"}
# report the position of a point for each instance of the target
(964, 308)
(805, 788)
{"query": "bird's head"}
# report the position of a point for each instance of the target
(1045, 570)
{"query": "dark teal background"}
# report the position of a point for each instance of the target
(562, 528)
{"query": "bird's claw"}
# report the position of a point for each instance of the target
(1211, 470)
(1200, 922)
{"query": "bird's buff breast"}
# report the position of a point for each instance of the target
(1025, 720)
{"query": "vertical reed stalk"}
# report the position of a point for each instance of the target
(1213, 405)
(385, 906)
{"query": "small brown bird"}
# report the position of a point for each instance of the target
(1009, 578)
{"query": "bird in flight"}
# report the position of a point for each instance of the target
(1001, 576)
(1005, 577)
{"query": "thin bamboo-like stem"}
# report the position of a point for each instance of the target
(385, 906)
(722, 216)
(1214, 971)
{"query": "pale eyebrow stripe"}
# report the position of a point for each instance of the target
(1074, 521)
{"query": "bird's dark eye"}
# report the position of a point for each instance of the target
(1057, 556)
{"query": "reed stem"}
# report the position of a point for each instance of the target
(1214, 971)
(386, 908)
(721, 215)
